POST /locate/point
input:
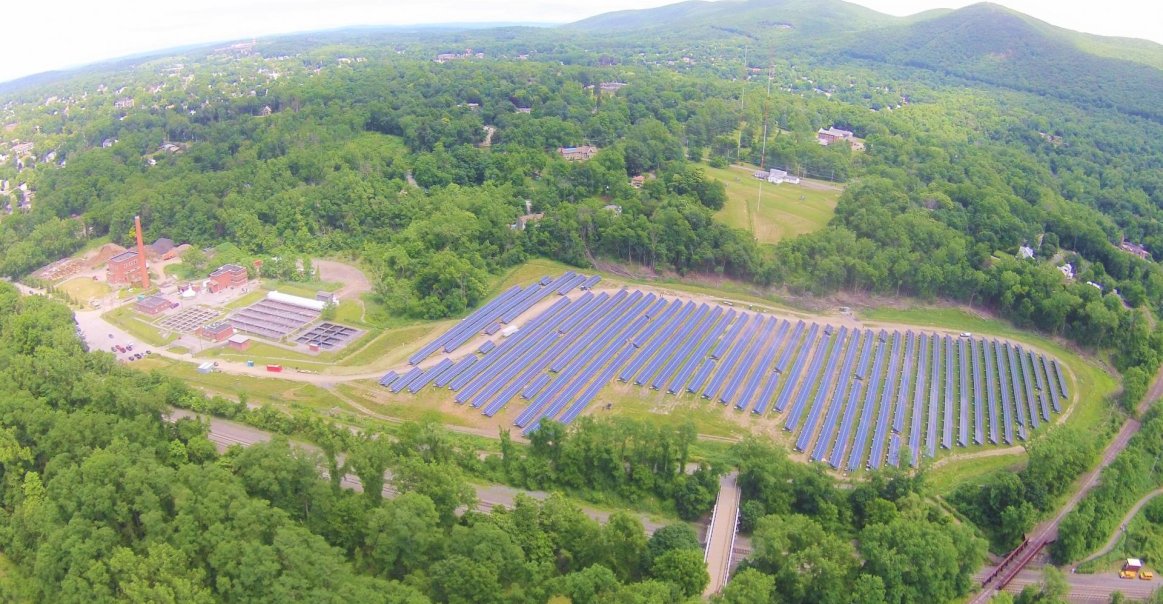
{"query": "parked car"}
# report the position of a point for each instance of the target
(120, 348)
(129, 346)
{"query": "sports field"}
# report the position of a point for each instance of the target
(784, 210)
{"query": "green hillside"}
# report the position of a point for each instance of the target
(992, 44)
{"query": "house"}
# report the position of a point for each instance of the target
(265, 111)
(124, 103)
(760, 174)
(611, 87)
(638, 181)
(524, 110)
(216, 332)
(831, 135)
(779, 176)
(1094, 285)
(327, 297)
(526, 219)
(581, 153)
(613, 208)
(227, 275)
(109, 142)
(124, 269)
(1135, 249)
(162, 249)
(22, 149)
(1025, 252)
(1067, 271)
(153, 305)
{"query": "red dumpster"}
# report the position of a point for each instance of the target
(275, 368)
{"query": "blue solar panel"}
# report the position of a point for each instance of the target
(978, 395)
(673, 343)
(797, 409)
(856, 453)
(1041, 381)
(849, 411)
(764, 369)
(841, 405)
(865, 354)
(828, 429)
(819, 402)
(487, 346)
(459, 368)
(963, 383)
(733, 368)
(918, 410)
(535, 386)
(740, 323)
(887, 397)
(934, 395)
(388, 378)
(1051, 381)
(592, 281)
(685, 345)
(894, 450)
(1061, 379)
(656, 333)
(715, 326)
(1003, 388)
(1027, 383)
(793, 345)
(991, 389)
(403, 382)
(947, 418)
(908, 365)
(428, 375)
(743, 361)
(1019, 392)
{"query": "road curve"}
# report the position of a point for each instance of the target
(1110, 544)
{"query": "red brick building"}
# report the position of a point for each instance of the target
(124, 269)
(216, 332)
(227, 275)
(154, 305)
(238, 342)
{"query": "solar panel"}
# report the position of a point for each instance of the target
(947, 417)
(887, 397)
(1041, 381)
(978, 395)
(918, 410)
(991, 390)
(963, 383)
(934, 395)
(908, 363)
(1019, 391)
(827, 430)
(819, 401)
(1061, 379)
(856, 453)
(765, 368)
(686, 347)
(797, 410)
(1007, 417)
(715, 326)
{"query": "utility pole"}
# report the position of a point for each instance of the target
(763, 147)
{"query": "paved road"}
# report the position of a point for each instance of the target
(1110, 544)
(1089, 588)
(1047, 531)
(721, 536)
(224, 433)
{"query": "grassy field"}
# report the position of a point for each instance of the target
(278, 392)
(786, 210)
(83, 290)
(132, 322)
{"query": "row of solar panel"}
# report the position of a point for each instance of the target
(502, 310)
(565, 356)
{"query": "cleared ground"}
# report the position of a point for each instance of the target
(785, 210)
(83, 290)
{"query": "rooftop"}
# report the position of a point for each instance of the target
(217, 327)
(154, 302)
(125, 256)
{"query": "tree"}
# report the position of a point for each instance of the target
(672, 537)
(747, 587)
(684, 568)
(444, 484)
(626, 546)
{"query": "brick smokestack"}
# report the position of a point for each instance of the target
(141, 254)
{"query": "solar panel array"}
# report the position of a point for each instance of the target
(849, 397)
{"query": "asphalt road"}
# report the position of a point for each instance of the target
(721, 538)
(1089, 588)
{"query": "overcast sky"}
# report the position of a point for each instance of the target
(41, 35)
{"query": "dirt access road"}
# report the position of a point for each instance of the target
(1045, 533)
(1110, 544)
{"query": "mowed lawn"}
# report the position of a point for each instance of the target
(84, 289)
(786, 210)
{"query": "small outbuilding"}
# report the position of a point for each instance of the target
(238, 342)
